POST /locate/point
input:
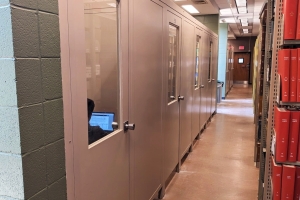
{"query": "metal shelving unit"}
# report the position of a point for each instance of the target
(274, 42)
(289, 104)
(290, 42)
(269, 99)
(259, 58)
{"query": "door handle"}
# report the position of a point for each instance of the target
(128, 126)
(180, 98)
(213, 79)
(172, 97)
(202, 86)
(115, 125)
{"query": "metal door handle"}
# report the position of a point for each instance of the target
(115, 125)
(128, 126)
(180, 98)
(202, 86)
(172, 97)
(213, 79)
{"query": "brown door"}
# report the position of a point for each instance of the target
(241, 67)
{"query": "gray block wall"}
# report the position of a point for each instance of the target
(32, 153)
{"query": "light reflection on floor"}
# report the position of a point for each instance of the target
(221, 167)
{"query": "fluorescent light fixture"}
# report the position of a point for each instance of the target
(246, 16)
(191, 9)
(242, 10)
(241, 3)
(112, 4)
(226, 11)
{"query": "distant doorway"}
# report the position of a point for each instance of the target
(241, 68)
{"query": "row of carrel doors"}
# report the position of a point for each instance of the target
(150, 70)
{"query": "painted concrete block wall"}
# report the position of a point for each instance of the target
(211, 21)
(11, 178)
(222, 63)
(31, 109)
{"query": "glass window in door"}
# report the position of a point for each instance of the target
(172, 62)
(102, 69)
(210, 60)
(196, 82)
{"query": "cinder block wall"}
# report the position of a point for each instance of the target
(32, 154)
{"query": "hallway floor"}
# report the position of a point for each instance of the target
(221, 166)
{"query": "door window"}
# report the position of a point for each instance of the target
(102, 69)
(210, 60)
(172, 62)
(196, 82)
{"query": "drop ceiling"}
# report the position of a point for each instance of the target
(242, 16)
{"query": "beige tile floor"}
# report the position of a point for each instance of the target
(221, 166)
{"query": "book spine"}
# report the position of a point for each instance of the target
(288, 182)
(298, 75)
(293, 136)
(290, 8)
(276, 180)
(282, 119)
(293, 75)
(284, 71)
(297, 184)
(298, 23)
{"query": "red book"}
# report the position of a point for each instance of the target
(293, 136)
(297, 184)
(282, 124)
(276, 180)
(290, 8)
(298, 76)
(293, 75)
(284, 72)
(288, 182)
(298, 27)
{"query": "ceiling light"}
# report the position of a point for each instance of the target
(112, 4)
(241, 3)
(244, 24)
(226, 11)
(190, 9)
(246, 16)
(242, 10)
(244, 20)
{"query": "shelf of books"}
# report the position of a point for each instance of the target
(280, 174)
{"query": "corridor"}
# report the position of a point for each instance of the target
(221, 166)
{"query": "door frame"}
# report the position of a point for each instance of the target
(72, 87)
(250, 61)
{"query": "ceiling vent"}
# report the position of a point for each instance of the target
(200, 1)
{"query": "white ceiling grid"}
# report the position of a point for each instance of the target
(242, 16)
